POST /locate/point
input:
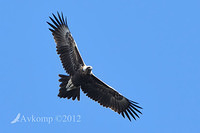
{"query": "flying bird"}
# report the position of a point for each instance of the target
(81, 76)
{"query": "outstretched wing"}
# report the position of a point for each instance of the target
(66, 46)
(108, 97)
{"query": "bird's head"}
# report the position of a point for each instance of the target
(87, 69)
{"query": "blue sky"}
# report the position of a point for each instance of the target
(147, 50)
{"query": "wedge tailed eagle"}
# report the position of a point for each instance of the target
(81, 76)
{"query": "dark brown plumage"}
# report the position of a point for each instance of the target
(80, 75)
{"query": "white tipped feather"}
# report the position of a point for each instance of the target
(70, 85)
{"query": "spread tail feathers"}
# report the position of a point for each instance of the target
(67, 92)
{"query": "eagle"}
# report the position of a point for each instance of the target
(80, 75)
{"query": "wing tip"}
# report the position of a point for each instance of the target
(57, 20)
(132, 110)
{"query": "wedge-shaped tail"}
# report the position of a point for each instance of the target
(67, 92)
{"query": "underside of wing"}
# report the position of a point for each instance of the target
(66, 46)
(108, 97)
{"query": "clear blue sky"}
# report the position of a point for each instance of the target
(147, 50)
